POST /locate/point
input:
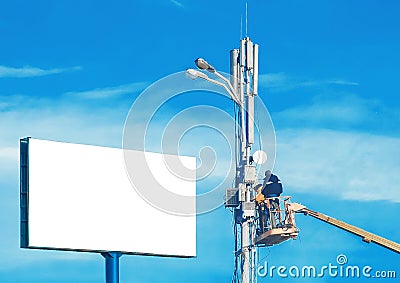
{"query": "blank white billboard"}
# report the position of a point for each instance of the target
(79, 197)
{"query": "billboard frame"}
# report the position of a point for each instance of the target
(24, 214)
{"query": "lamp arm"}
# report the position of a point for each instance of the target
(229, 91)
(225, 80)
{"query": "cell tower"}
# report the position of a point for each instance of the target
(258, 221)
(244, 76)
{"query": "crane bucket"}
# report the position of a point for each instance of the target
(276, 221)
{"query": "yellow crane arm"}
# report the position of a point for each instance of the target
(365, 235)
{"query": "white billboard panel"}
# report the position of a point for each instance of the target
(79, 197)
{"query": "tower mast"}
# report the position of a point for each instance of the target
(244, 79)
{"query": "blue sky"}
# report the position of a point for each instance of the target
(70, 71)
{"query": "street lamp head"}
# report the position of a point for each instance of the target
(203, 65)
(194, 74)
(191, 74)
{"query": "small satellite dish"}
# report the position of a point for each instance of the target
(260, 157)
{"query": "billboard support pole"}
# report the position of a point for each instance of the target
(112, 266)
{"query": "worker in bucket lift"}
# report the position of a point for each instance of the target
(272, 189)
(272, 186)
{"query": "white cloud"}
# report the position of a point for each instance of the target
(360, 162)
(272, 80)
(14, 257)
(9, 158)
(28, 71)
(8, 153)
(176, 3)
(345, 111)
(348, 109)
(341, 82)
(60, 119)
(355, 166)
(284, 82)
(108, 92)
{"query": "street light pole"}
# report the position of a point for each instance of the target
(242, 88)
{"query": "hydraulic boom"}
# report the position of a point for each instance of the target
(365, 235)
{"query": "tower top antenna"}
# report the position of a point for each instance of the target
(246, 17)
(241, 27)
